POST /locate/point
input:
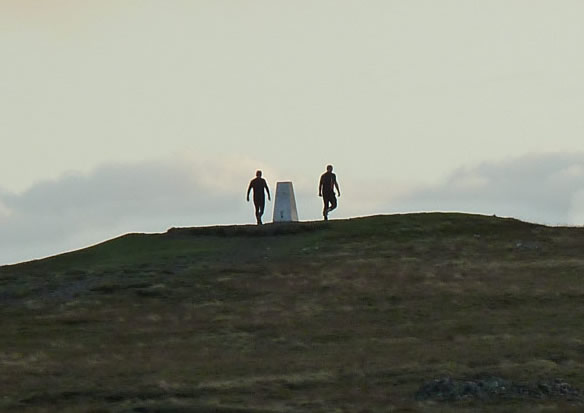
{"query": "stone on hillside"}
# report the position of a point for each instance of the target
(492, 387)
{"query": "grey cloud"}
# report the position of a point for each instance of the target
(77, 210)
(544, 188)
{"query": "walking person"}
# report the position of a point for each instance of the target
(258, 184)
(326, 189)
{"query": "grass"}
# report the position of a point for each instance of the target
(350, 315)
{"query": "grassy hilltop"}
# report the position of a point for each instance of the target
(347, 316)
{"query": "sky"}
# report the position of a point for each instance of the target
(141, 115)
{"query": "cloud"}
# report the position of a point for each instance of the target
(81, 209)
(543, 188)
(78, 209)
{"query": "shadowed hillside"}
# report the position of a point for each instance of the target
(400, 313)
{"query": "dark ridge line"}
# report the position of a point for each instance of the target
(291, 228)
(266, 230)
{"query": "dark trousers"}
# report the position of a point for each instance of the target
(260, 204)
(330, 202)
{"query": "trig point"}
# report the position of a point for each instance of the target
(285, 204)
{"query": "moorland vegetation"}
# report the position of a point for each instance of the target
(347, 315)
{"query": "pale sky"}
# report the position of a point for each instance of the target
(159, 112)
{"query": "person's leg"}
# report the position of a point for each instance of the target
(325, 211)
(333, 201)
(261, 212)
(259, 209)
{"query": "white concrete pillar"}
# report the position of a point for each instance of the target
(285, 203)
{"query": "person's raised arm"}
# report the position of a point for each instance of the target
(267, 190)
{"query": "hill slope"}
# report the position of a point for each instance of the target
(351, 315)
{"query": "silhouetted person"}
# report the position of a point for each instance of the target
(258, 184)
(326, 189)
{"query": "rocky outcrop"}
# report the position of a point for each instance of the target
(492, 387)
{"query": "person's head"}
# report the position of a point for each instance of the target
(259, 174)
(329, 168)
